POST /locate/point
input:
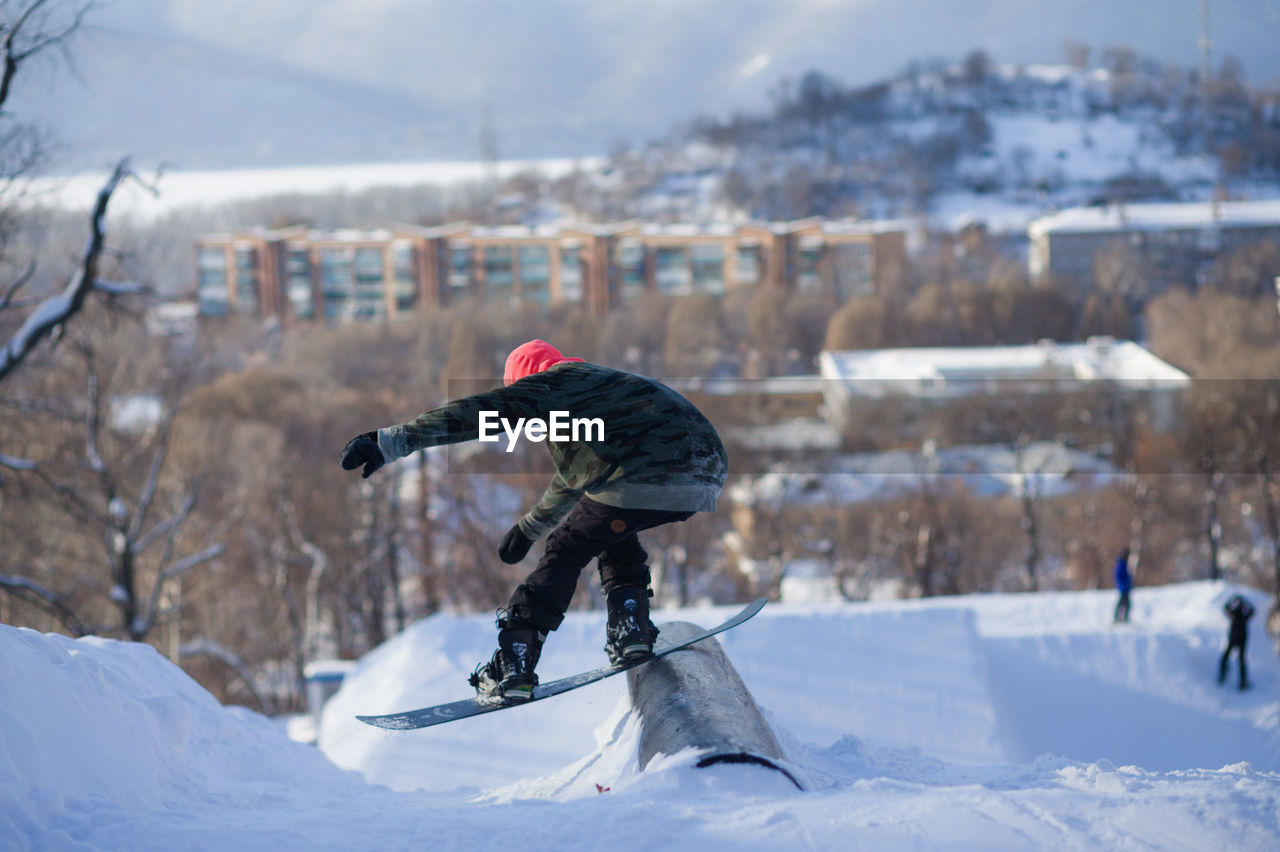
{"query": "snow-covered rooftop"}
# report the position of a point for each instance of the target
(771, 385)
(952, 371)
(565, 229)
(1119, 217)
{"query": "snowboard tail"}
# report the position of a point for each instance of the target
(428, 716)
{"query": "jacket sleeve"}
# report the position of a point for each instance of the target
(556, 502)
(459, 420)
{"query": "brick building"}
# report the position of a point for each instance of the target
(346, 275)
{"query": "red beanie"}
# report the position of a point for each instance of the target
(532, 357)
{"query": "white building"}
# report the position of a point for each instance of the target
(858, 378)
(1170, 243)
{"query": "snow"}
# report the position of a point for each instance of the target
(952, 211)
(962, 370)
(1238, 214)
(1086, 150)
(48, 311)
(137, 413)
(991, 722)
(196, 189)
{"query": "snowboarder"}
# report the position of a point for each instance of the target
(656, 460)
(1124, 582)
(1239, 611)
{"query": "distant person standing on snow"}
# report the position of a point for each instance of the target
(1124, 582)
(1239, 611)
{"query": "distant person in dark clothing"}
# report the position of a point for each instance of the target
(1124, 582)
(1239, 611)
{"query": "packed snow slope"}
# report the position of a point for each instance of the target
(985, 722)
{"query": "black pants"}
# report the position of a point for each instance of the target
(1234, 644)
(591, 529)
(1122, 607)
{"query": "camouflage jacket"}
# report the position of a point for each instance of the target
(658, 451)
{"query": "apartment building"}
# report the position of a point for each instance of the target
(348, 275)
(1169, 244)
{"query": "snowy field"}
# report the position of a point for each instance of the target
(179, 190)
(985, 722)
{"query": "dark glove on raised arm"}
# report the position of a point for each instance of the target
(515, 546)
(363, 450)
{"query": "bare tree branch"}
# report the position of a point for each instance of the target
(175, 570)
(208, 648)
(55, 408)
(147, 497)
(319, 567)
(23, 277)
(13, 52)
(16, 463)
(49, 316)
(120, 288)
(34, 593)
(168, 525)
(186, 563)
(76, 505)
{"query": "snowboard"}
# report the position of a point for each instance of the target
(428, 716)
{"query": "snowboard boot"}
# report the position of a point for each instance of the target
(509, 676)
(630, 634)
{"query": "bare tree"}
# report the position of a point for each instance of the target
(27, 30)
(47, 319)
(30, 28)
(140, 534)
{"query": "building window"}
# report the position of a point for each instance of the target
(370, 286)
(459, 268)
(535, 274)
(1209, 239)
(808, 275)
(571, 273)
(630, 261)
(368, 267)
(338, 283)
(708, 267)
(499, 272)
(672, 273)
(297, 270)
(403, 269)
(247, 295)
(852, 267)
(211, 270)
(749, 266)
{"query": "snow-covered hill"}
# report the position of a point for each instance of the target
(992, 722)
(960, 142)
(251, 83)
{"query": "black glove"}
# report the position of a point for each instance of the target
(363, 450)
(515, 546)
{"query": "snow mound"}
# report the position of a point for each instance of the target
(94, 724)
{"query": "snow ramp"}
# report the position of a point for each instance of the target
(996, 679)
(1064, 680)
